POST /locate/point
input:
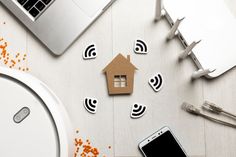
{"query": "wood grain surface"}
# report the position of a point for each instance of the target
(73, 78)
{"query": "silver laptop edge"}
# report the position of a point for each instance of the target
(60, 24)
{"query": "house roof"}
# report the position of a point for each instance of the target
(120, 61)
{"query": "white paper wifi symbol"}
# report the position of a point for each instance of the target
(140, 47)
(138, 110)
(156, 82)
(90, 104)
(90, 52)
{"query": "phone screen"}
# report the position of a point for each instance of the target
(163, 146)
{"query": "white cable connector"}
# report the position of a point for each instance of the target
(193, 110)
(216, 109)
(212, 107)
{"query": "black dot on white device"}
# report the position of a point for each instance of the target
(162, 143)
(21, 115)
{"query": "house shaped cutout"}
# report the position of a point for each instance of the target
(120, 75)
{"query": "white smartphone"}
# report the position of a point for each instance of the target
(162, 144)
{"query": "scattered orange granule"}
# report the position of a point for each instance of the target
(12, 60)
(84, 148)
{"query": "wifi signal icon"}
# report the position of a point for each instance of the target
(156, 82)
(140, 47)
(138, 110)
(90, 52)
(90, 104)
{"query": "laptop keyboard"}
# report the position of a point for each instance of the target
(34, 7)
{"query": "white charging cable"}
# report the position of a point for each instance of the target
(193, 110)
(216, 109)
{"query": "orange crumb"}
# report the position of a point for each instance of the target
(13, 61)
(9, 59)
(85, 149)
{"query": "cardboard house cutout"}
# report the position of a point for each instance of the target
(120, 75)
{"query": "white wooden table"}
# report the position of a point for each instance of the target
(72, 79)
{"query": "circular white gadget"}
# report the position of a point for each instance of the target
(33, 121)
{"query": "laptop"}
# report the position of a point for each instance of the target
(57, 23)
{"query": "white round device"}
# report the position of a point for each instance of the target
(33, 121)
